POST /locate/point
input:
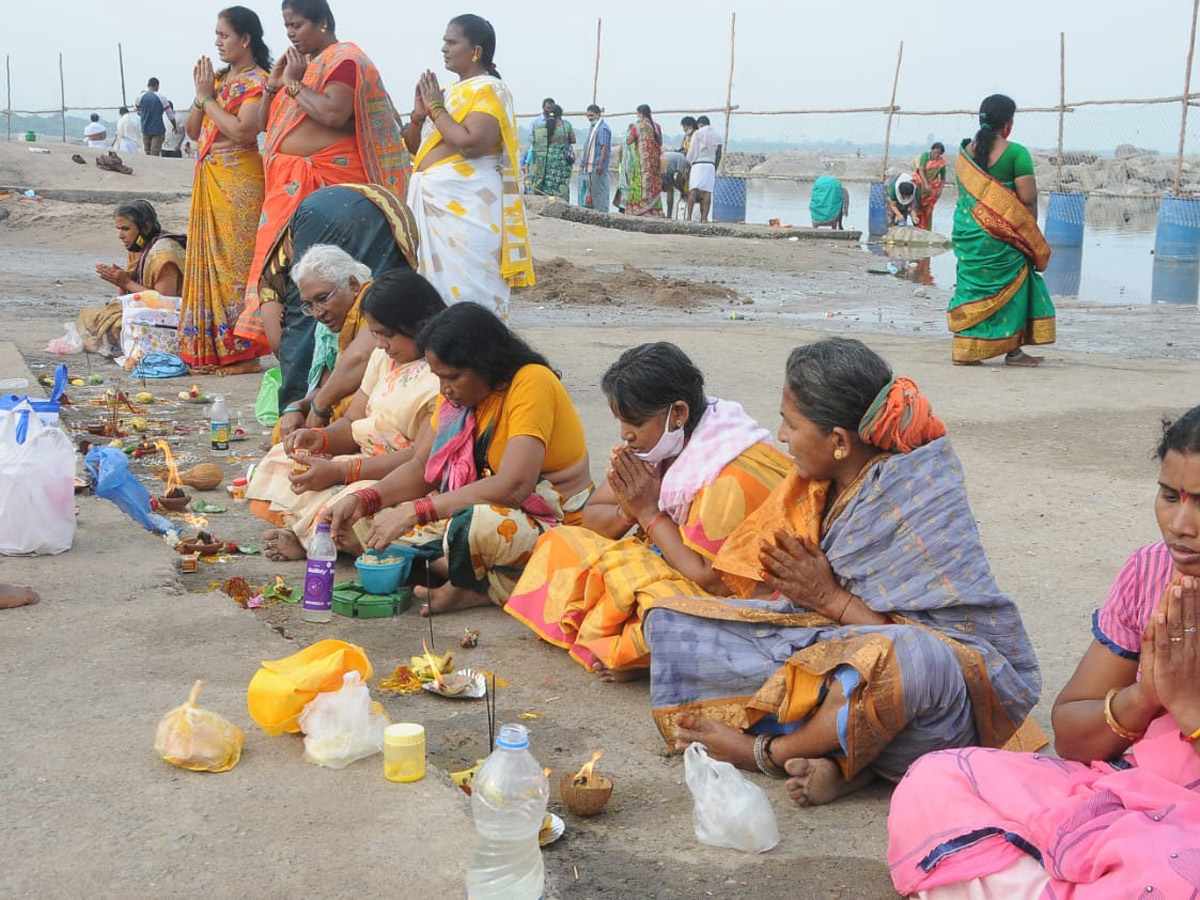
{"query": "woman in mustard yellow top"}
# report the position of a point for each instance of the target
(506, 459)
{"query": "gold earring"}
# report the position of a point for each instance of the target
(322, 29)
(839, 454)
(475, 56)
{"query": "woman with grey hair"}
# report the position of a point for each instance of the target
(331, 284)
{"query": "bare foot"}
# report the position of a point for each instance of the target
(448, 598)
(281, 545)
(722, 742)
(968, 362)
(619, 676)
(815, 782)
(1022, 360)
(12, 595)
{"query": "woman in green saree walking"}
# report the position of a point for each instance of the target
(553, 156)
(1000, 302)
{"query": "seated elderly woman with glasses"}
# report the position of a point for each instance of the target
(332, 284)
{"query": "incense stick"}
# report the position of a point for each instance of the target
(489, 694)
(429, 603)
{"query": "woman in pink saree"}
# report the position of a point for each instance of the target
(1118, 814)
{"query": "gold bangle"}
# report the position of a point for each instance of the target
(294, 88)
(1123, 733)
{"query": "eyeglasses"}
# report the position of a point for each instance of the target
(306, 306)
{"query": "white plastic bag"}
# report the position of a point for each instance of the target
(69, 343)
(37, 485)
(343, 725)
(729, 810)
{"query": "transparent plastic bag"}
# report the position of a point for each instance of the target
(37, 485)
(198, 739)
(343, 726)
(70, 342)
(729, 811)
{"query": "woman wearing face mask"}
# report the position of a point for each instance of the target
(689, 471)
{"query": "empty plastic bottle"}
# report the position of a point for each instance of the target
(508, 799)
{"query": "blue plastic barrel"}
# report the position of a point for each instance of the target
(1175, 280)
(1064, 221)
(729, 199)
(1063, 274)
(876, 210)
(1178, 234)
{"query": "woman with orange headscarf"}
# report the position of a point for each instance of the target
(866, 628)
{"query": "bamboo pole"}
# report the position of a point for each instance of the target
(1062, 105)
(887, 140)
(729, 92)
(8, 89)
(1187, 86)
(62, 95)
(121, 63)
(596, 73)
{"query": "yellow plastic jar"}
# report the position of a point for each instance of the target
(404, 752)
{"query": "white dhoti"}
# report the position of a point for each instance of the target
(458, 205)
(702, 176)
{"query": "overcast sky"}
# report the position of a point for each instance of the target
(799, 54)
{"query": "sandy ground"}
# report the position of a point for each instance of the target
(1061, 478)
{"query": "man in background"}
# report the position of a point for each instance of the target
(129, 133)
(173, 139)
(151, 111)
(703, 156)
(593, 167)
(95, 132)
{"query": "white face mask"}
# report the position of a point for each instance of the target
(669, 445)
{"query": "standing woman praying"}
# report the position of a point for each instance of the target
(465, 141)
(227, 195)
(329, 120)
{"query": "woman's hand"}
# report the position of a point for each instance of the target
(802, 573)
(275, 80)
(321, 473)
(294, 65)
(304, 439)
(390, 524)
(635, 483)
(204, 78)
(288, 423)
(429, 90)
(342, 515)
(419, 110)
(114, 275)
(1175, 663)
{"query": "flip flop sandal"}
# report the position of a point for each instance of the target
(79, 159)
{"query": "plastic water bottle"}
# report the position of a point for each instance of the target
(318, 577)
(218, 426)
(508, 798)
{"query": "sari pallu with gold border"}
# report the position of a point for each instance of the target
(1000, 302)
(905, 542)
(226, 204)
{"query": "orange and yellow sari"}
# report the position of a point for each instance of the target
(375, 154)
(227, 199)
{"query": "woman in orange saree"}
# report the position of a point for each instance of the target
(929, 172)
(227, 193)
(329, 120)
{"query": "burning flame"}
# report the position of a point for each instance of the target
(547, 770)
(172, 469)
(584, 775)
(434, 664)
(197, 521)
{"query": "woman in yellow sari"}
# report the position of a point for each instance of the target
(377, 434)
(464, 191)
(690, 470)
(227, 193)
